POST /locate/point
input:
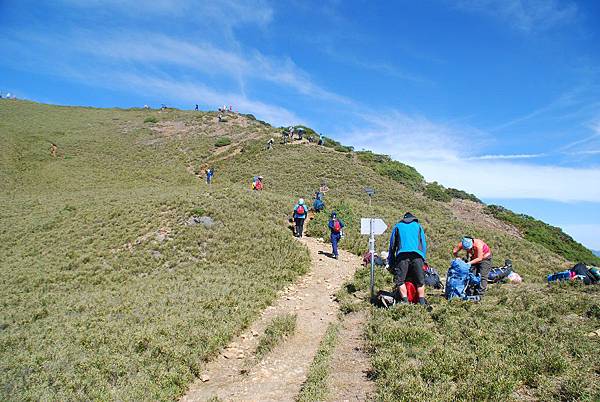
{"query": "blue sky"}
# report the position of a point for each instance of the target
(497, 97)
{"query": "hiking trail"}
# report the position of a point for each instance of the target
(280, 375)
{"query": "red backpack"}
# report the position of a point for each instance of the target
(411, 292)
(337, 226)
(300, 210)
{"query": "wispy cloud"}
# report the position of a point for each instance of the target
(524, 15)
(444, 152)
(501, 156)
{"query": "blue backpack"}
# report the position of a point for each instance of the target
(318, 205)
(460, 281)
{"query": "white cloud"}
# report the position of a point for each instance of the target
(501, 156)
(525, 15)
(195, 93)
(442, 152)
(227, 13)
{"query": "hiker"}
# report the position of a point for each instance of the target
(335, 226)
(479, 257)
(196, 107)
(257, 183)
(209, 175)
(53, 149)
(407, 254)
(318, 204)
(270, 144)
(220, 118)
(300, 213)
(291, 133)
(300, 133)
(321, 141)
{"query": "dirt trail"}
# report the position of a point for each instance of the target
(349, 378)
(280, 375)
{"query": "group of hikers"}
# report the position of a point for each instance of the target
(287, 135)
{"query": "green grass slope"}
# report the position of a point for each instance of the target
(108, 294)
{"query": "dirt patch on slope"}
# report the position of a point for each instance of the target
(472, 212)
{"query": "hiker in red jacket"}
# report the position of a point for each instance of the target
(335, 226)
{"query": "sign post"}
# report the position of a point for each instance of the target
(372, 227)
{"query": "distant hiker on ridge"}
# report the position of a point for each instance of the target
(196, 107)
(270, 144)
(300, 213)
(335, 227)
(479, 256)
(407, 253)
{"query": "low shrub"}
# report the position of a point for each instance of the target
(223, 141)
(151, 119)
(436, 192)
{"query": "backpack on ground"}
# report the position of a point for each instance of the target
(579, 271)
(300, 210)
(498, 274)
(337, 226)
(461, 282)
(432, 277)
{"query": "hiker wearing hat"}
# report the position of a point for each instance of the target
(406, 254)
(300, 213)
(479, 256)
(335, 227)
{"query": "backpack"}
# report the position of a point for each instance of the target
(498, 274)
(300, 210)
(318, 205)
(337, 226)
(461, 282)
(411, 292)
(258, 185)
(432, 277)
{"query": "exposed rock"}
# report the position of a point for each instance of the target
(206, 221)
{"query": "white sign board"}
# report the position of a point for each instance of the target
(379, 226)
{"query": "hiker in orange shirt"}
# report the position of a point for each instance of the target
(479, 256)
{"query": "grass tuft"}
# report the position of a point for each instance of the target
(276, 331)
(315, 386)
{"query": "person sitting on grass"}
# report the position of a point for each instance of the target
(335, 227)
(407, 254)
(300, 213)
(479, 256)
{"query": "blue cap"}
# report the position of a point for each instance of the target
(467, 243)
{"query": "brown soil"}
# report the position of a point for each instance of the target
(279, 376)
(472, 212)
(350, 365)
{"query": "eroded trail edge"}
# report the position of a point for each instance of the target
(279, 376)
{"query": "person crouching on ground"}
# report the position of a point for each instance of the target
(335, 227)
(300, 213)
(479, 256)
(407, 254)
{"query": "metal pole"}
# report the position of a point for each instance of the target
(372, 251)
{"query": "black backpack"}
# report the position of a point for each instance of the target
(432, 278)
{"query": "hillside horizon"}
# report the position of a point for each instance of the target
(126, 276)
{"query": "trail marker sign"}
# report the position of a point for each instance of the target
(379, 226)
(372, 227)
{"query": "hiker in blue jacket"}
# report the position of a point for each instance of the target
(407, 253)
(300, 213)
(335, 227)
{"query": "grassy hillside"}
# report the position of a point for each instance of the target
(551, 237)
(108, 294)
